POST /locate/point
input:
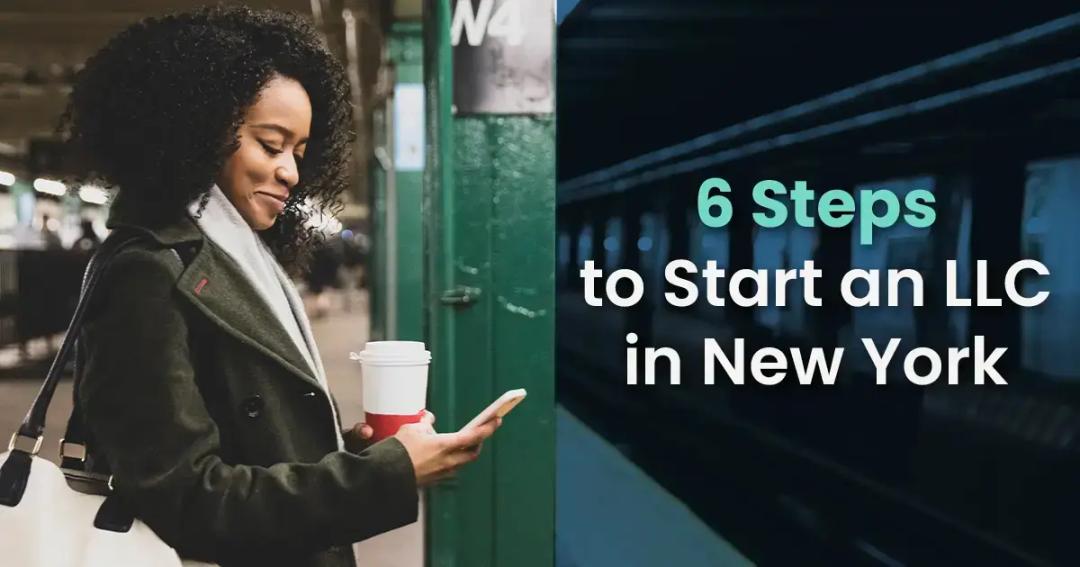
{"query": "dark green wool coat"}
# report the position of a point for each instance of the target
(216, 432)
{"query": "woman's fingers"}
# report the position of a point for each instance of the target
(358, 437)
(464, 446)
(428, 418)
(476, 435)
(452, 450)
(421, 426)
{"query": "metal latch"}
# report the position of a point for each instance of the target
(460, 295)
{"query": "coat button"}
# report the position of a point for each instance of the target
(252, 406)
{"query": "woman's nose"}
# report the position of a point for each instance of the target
(288, 173)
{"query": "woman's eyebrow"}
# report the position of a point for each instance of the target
(279, 129)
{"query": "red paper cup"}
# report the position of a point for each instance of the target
(386, 425)
(394, 384)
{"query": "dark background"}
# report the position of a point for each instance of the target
(979, 103)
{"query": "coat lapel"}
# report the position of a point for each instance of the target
(218, 288)
(297, 305)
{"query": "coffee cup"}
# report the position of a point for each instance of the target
(394, 375)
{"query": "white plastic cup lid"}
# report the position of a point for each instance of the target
(393, 353)
(394, 347)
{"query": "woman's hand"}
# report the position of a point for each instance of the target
(436, 456)
(358, 438)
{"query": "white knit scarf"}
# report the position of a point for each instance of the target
(223, 225)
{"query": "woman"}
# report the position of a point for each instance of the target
(201, 386)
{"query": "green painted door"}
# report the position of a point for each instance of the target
(489, 217)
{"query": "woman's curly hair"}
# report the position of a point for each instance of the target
(155, 113)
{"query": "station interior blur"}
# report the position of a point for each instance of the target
(50, 222)
(388, 269)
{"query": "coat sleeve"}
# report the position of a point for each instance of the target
(141, 403)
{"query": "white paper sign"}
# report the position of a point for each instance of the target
(409, 127)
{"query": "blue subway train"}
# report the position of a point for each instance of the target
(980, 109)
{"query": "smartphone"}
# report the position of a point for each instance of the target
(498, 408)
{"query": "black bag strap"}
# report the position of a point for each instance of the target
(75, 446)
(33, 425)
(15, 471)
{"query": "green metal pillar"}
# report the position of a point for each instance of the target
(377, 268)
(489, 201)
(398, 294)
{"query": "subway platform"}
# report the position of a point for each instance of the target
(609, 512)
(343, 329)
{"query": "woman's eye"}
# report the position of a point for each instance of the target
(270, 149)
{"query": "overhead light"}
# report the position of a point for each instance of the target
(7, 178)
(50, 187)
(93, 194)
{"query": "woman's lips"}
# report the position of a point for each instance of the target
(273, 201)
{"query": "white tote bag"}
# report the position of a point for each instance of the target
(44, 520)
(53, 526)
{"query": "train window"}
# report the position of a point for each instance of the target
(612, 244)
(1049, 234)
(652, 244)
(647, 241)
(784, 248)
(959, 317)
(707, 244)
(584, 245)
(898, 246)
(563, 262)
(770, 253)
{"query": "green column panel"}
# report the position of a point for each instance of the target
(405, 194)
(473, 528)
(409, 298)
(490, 216)
(525, 256)
(521, 170)
(377, 276)
(442, 512)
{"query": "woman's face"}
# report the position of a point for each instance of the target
(262, 171)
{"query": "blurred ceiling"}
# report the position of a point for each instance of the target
(43, 44)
